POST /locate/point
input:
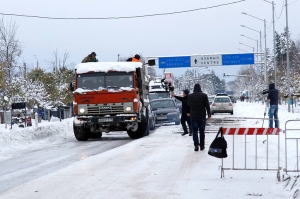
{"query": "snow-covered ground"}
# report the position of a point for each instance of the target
(162, 165)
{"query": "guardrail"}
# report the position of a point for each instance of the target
(252, 131)
(289, 136)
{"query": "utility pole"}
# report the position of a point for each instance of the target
(265, 57)
(288, 56)
(274, 51)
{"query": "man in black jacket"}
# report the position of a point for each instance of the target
(185, 115)
(273, 110)
(199, 104)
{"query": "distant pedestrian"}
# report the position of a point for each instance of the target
(185, 115)
(273, 110)
(90, 58)
(199, 104)
(136, 58)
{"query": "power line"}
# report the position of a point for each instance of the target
(297, 37)
(280, 11)
(293, 2)
(121, 17)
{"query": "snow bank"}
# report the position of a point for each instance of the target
(82, 91)
(16, 139)
(107, 66)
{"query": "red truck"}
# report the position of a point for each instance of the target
(110, 96)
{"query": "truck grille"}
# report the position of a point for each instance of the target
(97, 110)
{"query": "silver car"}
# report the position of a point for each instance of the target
(222, 104)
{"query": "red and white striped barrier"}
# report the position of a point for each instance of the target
(251, 131)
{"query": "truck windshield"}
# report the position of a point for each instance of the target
(91, 81)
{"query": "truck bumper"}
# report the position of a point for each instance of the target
(80, 120)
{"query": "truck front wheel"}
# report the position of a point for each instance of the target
(80, 133)
(141, 131)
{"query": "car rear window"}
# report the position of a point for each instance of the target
(223, 99)
(163, 104)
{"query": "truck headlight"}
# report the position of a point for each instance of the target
(128, 109)
(81, 110)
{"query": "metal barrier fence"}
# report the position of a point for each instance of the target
(296, 139)
(252, 131)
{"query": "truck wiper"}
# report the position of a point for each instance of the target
(112, 87)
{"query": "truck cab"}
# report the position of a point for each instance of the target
(110, 96)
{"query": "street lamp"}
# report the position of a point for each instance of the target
(260, 48)
(253, 40)
(247, 45)
(274, 51)
(242, 50)
(265, 36)
(255, 31)
(37, 61)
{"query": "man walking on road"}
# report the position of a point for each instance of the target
(199, 104)
(185, 116)
(273, 110)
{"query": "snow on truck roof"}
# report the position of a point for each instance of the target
(107, 66)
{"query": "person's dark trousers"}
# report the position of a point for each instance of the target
(185, 119)
(198, 123)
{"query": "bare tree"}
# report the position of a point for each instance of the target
(10, 51)
(10, 47)
(57, 63)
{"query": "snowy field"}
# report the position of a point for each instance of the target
(162, 165)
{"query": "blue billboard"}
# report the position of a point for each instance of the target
(238, 59)
(174, 62)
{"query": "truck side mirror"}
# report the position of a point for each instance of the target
(71, 87)
(151, 62)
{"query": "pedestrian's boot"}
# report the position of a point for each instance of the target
(185, 131)
(191, 132)
(196, 148)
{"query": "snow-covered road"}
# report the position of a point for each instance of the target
(33, 164)
(162, 165)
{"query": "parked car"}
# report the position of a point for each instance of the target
(165, 111)
(151, 118)
(222, 104)
(221, 94)
(152, 96)
(211, 99)
(233, 99)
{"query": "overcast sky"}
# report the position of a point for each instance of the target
(208, 31)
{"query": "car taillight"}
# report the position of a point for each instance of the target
(230, 104)
(213, 104)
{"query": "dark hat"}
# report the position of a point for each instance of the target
(186, 91)
(137, 56)
(93, 53)
(197, 88)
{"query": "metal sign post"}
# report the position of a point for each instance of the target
(18, 103)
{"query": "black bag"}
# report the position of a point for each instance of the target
(218, 146)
